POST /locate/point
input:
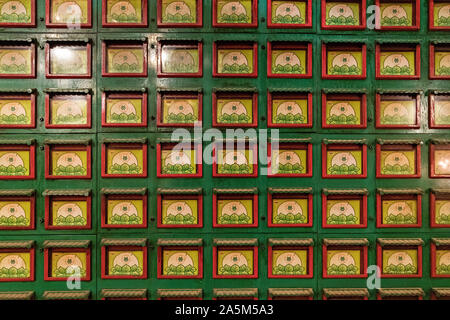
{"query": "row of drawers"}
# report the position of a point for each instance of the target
(239, 158)
(229, 14)
(178, 108)
(225, 258)
(128, 209)
(183, 58)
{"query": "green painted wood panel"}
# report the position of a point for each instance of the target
(208, 35)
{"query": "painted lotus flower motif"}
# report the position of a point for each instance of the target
(344, 163)
(126, 264)
(289, 212)
(400, 263)
(234, 213)
(235, 62)
(13, 215)
(69, 265)
(70, 214)
(288, 263)
(443, 265)
(123, 112)
(179, 213)
(342, 113)
(11, 164)
(68, 12)
(344, 64)
(233, 12)
(288, 13)
(342, 213)
(289, 112)
(394, 15)
(394, 114)
(69, 164)
(444, 16)
(125, 213)
(235, 162)
(341, 14)
(178, 162)
(342, 263)
(234, 112)
(124, 12)
(396, 64)
(126, 62)
(125, 163)
(14, 12)
(235, 264)
(397, 163)
(13, 266)
(287, 62)
(180, 264)
(178, 12)
(400, 213)
(444, 66)
(181, 112)
(288, 162)
(69, 112)
(13, 62)
(13, 113)
(444, 214)
(443, 115)
(180, 61)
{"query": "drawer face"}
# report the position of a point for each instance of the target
(222, 143)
